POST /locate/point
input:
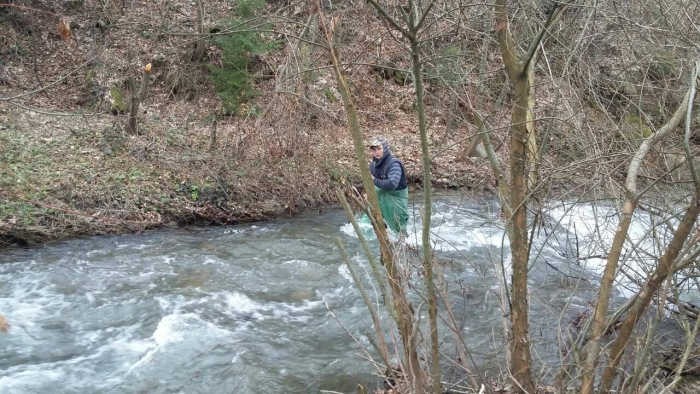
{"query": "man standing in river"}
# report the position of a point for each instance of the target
(389, 177)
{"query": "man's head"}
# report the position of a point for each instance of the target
(378, 146)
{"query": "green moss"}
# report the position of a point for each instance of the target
(633, 119)
(90, 76)
(117, 101)
(640, 129)
(402, 78)
(329, 95)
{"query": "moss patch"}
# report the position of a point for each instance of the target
(118, 106)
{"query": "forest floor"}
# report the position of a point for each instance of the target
(69, 168)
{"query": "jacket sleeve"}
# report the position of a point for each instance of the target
(394, 176)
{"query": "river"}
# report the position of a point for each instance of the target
(244, 309)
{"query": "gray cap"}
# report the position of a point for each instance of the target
(376, 142)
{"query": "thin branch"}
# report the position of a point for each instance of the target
(28, 9)
(391, 20)
(425, 13)
(383, 351)
(41, 111)
(370, 257)
(35, 62)
(540, 36)
(505, 40)
(688, 119)
(649, 142)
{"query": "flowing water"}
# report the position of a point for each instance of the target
(244, 309)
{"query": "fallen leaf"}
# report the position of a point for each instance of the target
(64, 29)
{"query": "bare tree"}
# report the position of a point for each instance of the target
(402, 304)
(520, 70)
(136, 97)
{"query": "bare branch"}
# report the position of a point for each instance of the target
(688, 119)
(540, 36)
(505, 40)
(425, 13)
(383, 350)
(649, 142)
(391, 20)
(43, 112)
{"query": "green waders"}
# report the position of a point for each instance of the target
(394, 207)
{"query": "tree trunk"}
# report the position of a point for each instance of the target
(199, 45)
(415, 20)
(136, 97)
(427, 213)
(533, 154)
(521, 130)
(520, 344)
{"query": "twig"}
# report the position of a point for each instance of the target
(370, 257)
(688, 120)
(32, 23)
(27, 9)
(540, 36)
(41, 111)
(425, 14)
(383, 350)
(690, 342)
(688, 307)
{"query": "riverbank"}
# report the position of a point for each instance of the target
(63, 177)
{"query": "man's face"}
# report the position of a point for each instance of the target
(377, 151)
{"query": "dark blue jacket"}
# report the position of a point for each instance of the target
(388, 172)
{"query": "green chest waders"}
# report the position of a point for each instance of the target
(394, 207)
